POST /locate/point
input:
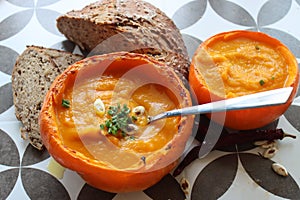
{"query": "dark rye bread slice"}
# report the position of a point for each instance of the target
(128, 25)
(34, 71)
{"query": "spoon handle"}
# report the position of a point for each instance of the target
(261, 99)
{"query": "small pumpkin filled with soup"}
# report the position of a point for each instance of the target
(94, 121)
(238, 63)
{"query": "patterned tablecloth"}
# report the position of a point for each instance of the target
(236, 173)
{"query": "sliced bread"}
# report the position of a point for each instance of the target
(126, 25)
(34, 71)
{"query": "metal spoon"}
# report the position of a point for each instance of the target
(261, 99)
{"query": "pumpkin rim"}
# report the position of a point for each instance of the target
(80, 163)
(209, 96)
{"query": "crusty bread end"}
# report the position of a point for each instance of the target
(130, 25)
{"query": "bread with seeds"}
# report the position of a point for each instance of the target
(126, 25)
(34, 71)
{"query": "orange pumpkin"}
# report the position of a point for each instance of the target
(71, 127)
(238, 63)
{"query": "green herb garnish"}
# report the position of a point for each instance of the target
(261, 82)
(65, 103)
(119, 120)
(134, 118)
(102, 126)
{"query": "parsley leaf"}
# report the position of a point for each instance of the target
(65, 103)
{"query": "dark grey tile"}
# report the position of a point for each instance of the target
(7, 59)
(215, 179)
(167, 188)
(88, 192)
(292, 115)
(6, 97)
(41, 185)
(8, 180)
(260, 170)
(32, 156)
(9, 152)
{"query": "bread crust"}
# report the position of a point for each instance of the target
(130, 25)
(33, 73)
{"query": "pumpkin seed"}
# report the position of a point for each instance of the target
(270, 152)
(99, 107)
(280, 169)
(139, 110)
(185, 185)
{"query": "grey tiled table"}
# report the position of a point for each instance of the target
(224, 174)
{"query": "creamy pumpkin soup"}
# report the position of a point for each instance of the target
(244, 66)
(106, 119)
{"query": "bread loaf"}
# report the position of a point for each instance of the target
(128, 25)
(34, 71)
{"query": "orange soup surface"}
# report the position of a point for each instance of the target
(241, 66)
(80, 129)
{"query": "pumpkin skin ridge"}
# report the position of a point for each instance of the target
(78, 162)
(232, 118)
